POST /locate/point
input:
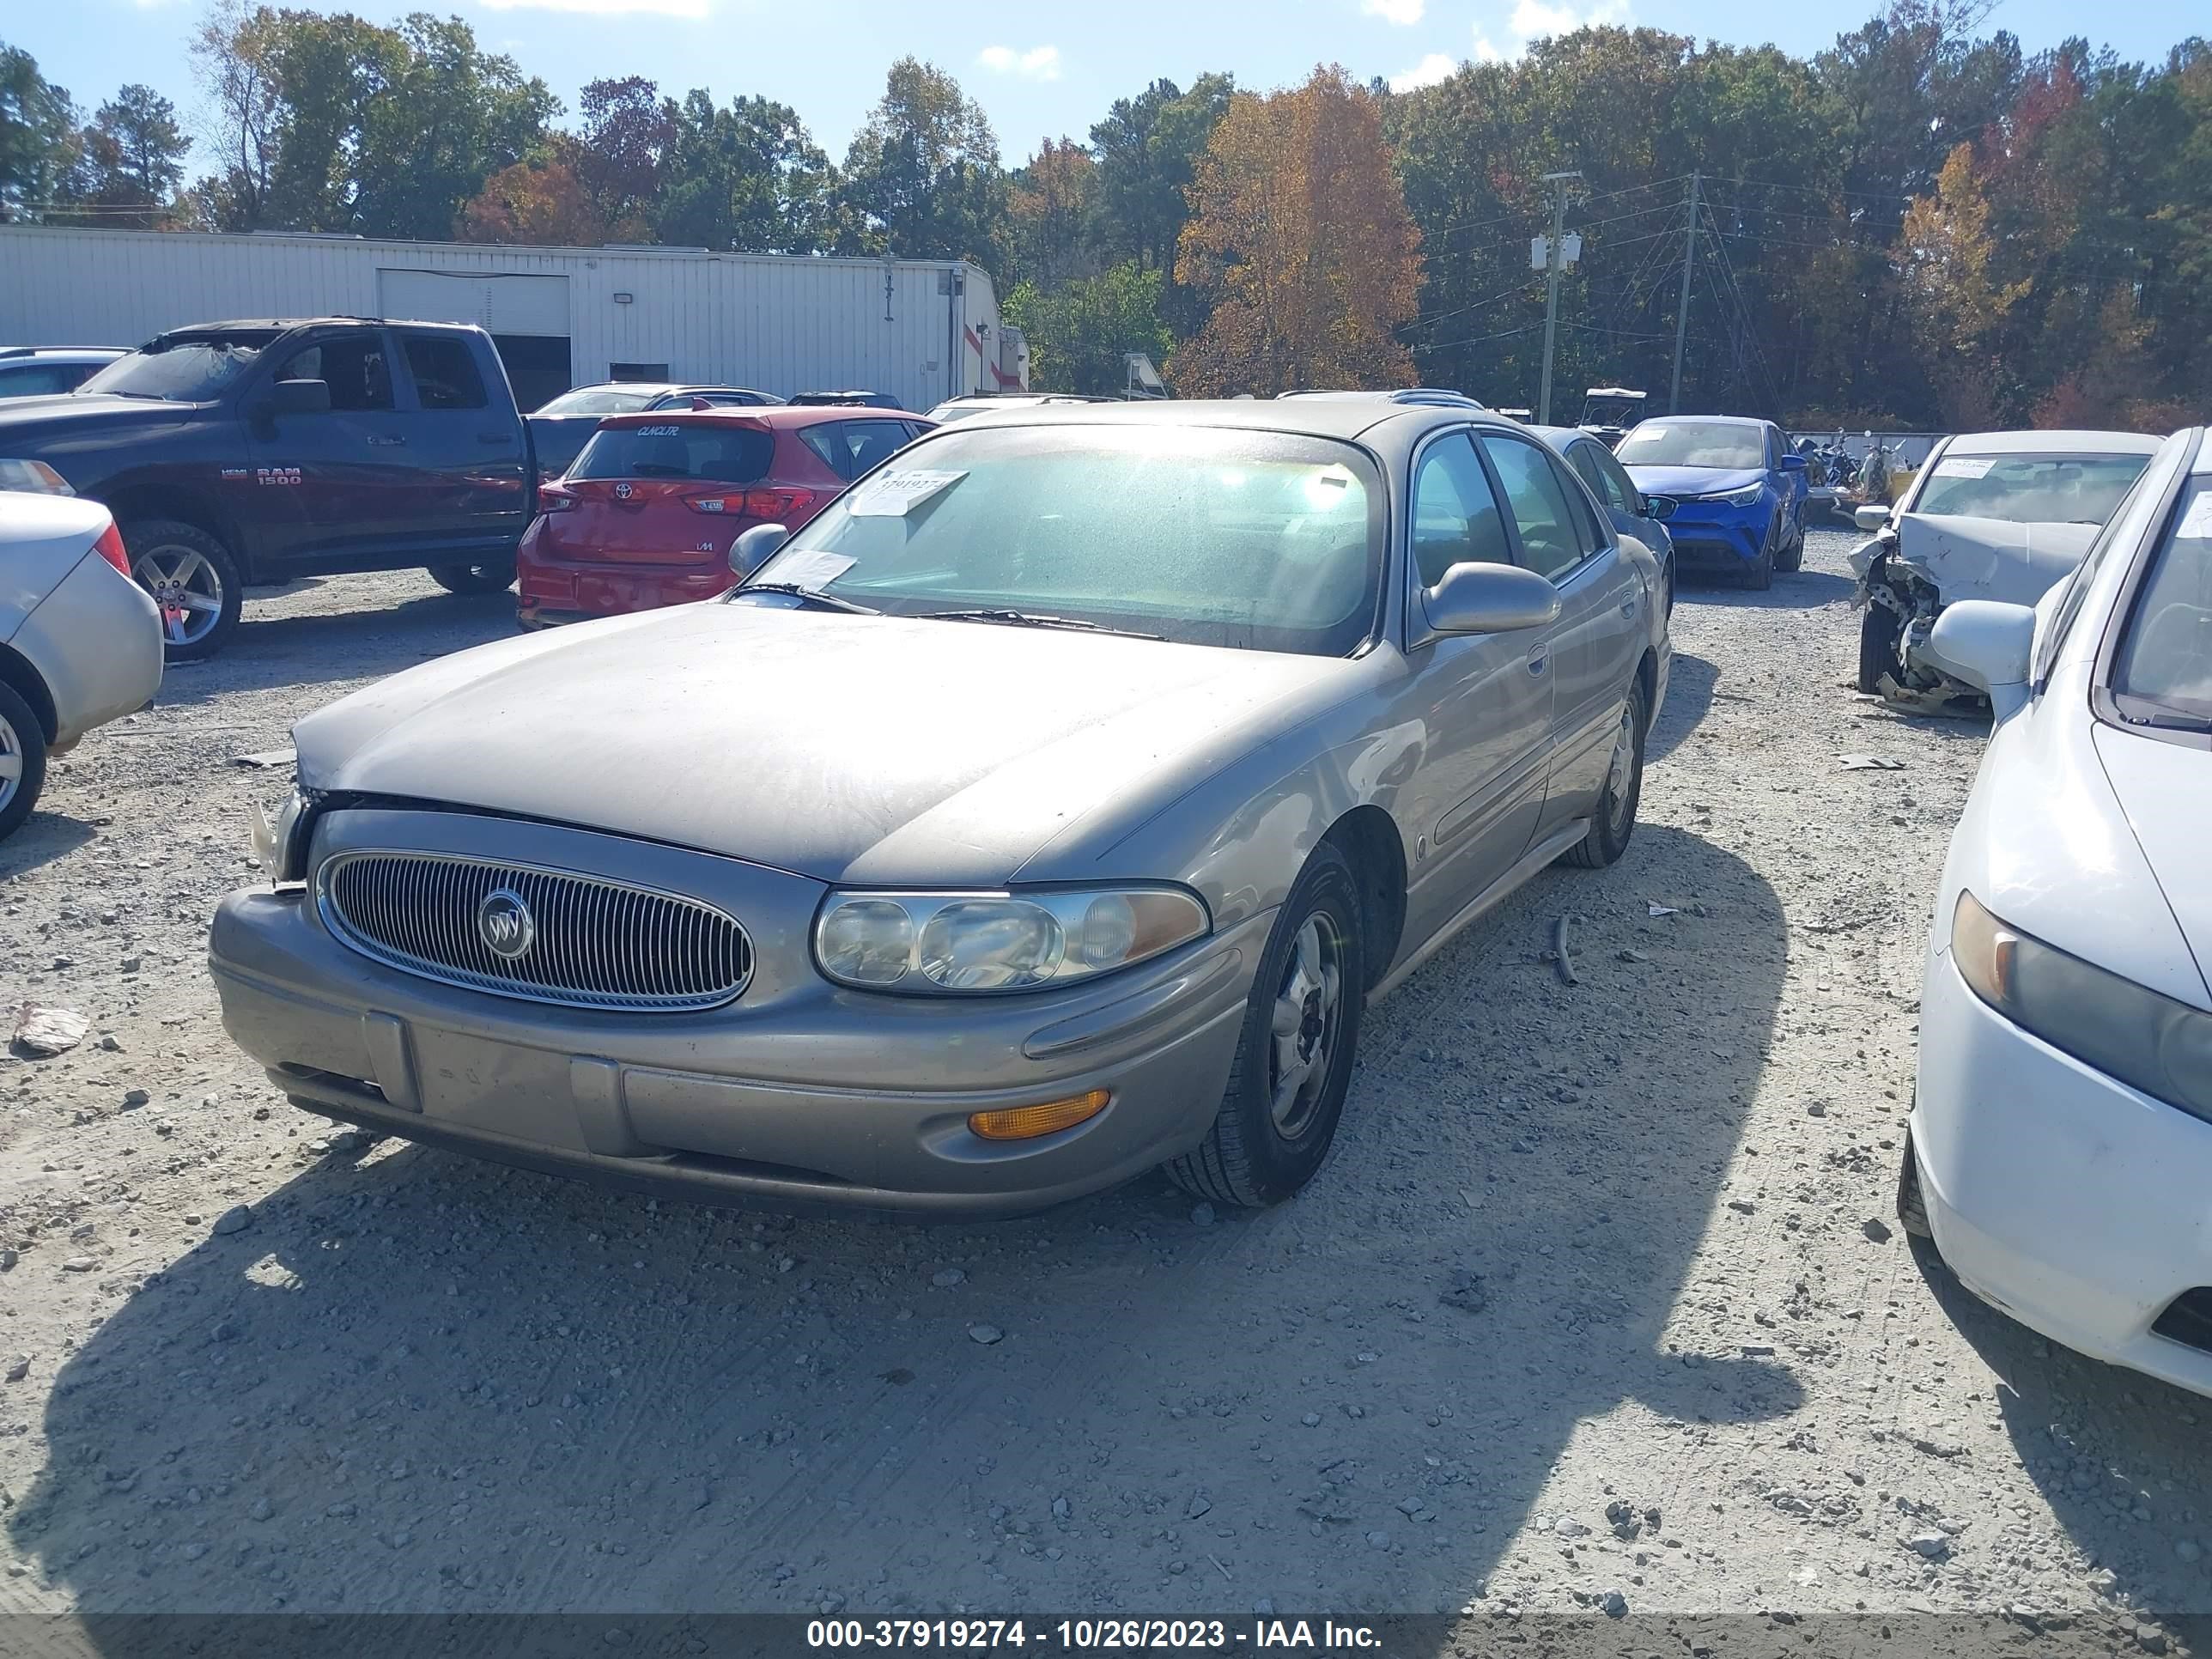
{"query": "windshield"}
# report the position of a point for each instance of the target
(601, 400)
(1262, 541)
(183, 369)
(2029, 488)
(722, 452)
(1693, 443)
(2163, 671)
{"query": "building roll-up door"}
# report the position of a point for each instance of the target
(526, 315)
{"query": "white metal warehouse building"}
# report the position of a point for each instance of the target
(920, 330)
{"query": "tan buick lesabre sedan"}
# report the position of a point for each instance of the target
(1044, 811)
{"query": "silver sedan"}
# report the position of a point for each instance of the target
(1045, 810)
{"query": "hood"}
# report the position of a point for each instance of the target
(865, 749)
(2165, 791)
(1991, 558)
(76, 412)
(1685, 481)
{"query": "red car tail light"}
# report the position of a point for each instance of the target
(110, 548)
(552, 498)
(778, 505)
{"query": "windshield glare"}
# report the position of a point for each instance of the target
(1693, 443)
(599, 400)
(1261, 541)
(2164, 665)
(186, 370)
(2029, 488)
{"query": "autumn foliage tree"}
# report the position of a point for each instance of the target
(1300, 238)
(538, 203)
(1944, 254)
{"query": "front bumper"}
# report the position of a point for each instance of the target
(1712, 535)
(800, 1094)
(2068, 1199)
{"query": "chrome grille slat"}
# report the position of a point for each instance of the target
(600, 943)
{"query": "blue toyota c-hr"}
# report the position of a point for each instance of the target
(1741, 492)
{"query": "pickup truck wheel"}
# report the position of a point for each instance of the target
(193, 578)
(1278, 1115)
(474, 578)
(23, 760)
(1615, 820)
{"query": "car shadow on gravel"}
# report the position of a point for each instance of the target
(44, 836)
(416, 1382)
(2123, 1459)
(1690, 683)
(314, 648)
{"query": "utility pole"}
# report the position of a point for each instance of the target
(1682, 311)
(1554, 262)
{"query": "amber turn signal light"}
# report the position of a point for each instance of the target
(1028, 1123)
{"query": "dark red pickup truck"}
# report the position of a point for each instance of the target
(257, 452)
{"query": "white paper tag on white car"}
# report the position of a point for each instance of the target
(898, 492)
(2197, 523)
(817, 569)
(1966, 466)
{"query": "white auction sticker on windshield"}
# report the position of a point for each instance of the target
(2197, 523)
(894, 493)
(815, 569)
(1966, 466)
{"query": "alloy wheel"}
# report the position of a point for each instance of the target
(1619, 776)
(187, 587)
(11, 761)
(1307, 1025)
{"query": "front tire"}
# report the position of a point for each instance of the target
(1911, 1206)
(1278, 1115)
(1790, 559)
(1878, 632)
(22, 761)
(1759, 576)
(471, 579)
(1614, 820)
(194, 580)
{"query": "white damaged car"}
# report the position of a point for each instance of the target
(1993, 515)
(2061, 1143)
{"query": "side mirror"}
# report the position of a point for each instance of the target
(1872, 516)
(300, 398)
(751, 549)
(1660, 508)
(1793, 463)
(1988, 645)
(1490, 598)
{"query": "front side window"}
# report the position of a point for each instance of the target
(1608, 484)
(184, 368)
(1693, 443)
(1455, 516)
(2162, 671)
(1207, 535)
(2029, 488)
(1553, 535)
(351, 364)
(2118, 529)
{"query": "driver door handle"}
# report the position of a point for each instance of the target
(1536, 663)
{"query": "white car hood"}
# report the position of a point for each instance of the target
(1991, 558)
(2165, 791)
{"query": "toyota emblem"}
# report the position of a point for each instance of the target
(623, 492)
(505, 925)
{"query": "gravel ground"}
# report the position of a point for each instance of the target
(1600, 1296)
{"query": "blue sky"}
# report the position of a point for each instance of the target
(1041, 69)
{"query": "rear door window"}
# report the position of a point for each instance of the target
(1585, 459)
(444, 371)
(676, 449)
(852, 447)
(1554, 537)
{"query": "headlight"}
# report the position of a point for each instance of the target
(2147, 1041)
(982, 942)
(1747, 496)
(274, 838)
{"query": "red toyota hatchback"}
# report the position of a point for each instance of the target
(647, 513)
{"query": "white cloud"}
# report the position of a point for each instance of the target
(1403, 13)
(694, 9)
(1484, 52)
(1038, 63)
(1536, 20)
(1431, 70)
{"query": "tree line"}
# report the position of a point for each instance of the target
(1922, 225)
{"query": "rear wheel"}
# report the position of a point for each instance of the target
(474, 578)
(1285, 1093)
(23, 760)
(1614, 820)
(193, 580)
(1878, 631)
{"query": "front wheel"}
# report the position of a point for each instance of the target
(1792, 558)
(468, 578)
(1614, 820)
(1285, 1093)
(1759, 576)
(1878, 632)
(193, 580)
(23, 760)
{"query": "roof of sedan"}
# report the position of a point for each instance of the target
(2053, 443)
(769, 415)
(1320, 417)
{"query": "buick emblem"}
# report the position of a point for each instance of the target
(505, 925)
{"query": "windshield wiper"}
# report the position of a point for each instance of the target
(1030, 619)
(812, 596)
